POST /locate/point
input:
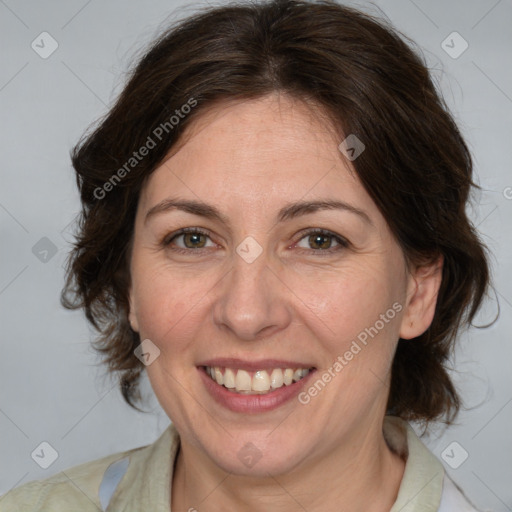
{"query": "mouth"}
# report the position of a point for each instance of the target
(262, 381)
(254, 387)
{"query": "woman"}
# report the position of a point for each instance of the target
(274, 227)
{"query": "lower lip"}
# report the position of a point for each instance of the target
(252, 403)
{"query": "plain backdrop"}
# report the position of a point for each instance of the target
(52, 386)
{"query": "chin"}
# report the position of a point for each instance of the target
(258, 454)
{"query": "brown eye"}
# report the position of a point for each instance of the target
(191, 239)
(322, 241)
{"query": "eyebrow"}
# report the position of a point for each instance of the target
(290, 211)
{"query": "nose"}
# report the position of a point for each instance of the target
(251, 300)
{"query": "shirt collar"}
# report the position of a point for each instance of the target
(147, 479)
(422, 482)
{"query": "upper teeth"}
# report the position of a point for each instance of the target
(260, 382)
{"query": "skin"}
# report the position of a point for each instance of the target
(295, 301)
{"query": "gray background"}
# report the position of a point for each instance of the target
(52, 387)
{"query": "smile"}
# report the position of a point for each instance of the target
(259, 382)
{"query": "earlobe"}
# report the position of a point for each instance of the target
(422, 292)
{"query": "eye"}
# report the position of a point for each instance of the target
(321, 241)
(193, 239)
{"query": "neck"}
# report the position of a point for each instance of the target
(361, 474)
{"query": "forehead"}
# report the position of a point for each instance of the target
(258, 154)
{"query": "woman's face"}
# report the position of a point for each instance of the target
(255, 289)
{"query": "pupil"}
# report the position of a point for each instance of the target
(317, 238)
(194, 236)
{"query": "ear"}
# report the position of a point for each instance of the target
(422, 290)
(132, 315)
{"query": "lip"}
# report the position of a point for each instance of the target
(252, 366)
(253, 404)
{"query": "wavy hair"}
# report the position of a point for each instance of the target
(371, 82)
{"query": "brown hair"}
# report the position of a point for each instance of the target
(416, 165)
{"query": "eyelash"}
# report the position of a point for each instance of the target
(343, 244)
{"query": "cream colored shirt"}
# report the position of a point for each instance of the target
(138, 480)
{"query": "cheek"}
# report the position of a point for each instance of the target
(168, 306)
(349, 299)
(356, 318)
